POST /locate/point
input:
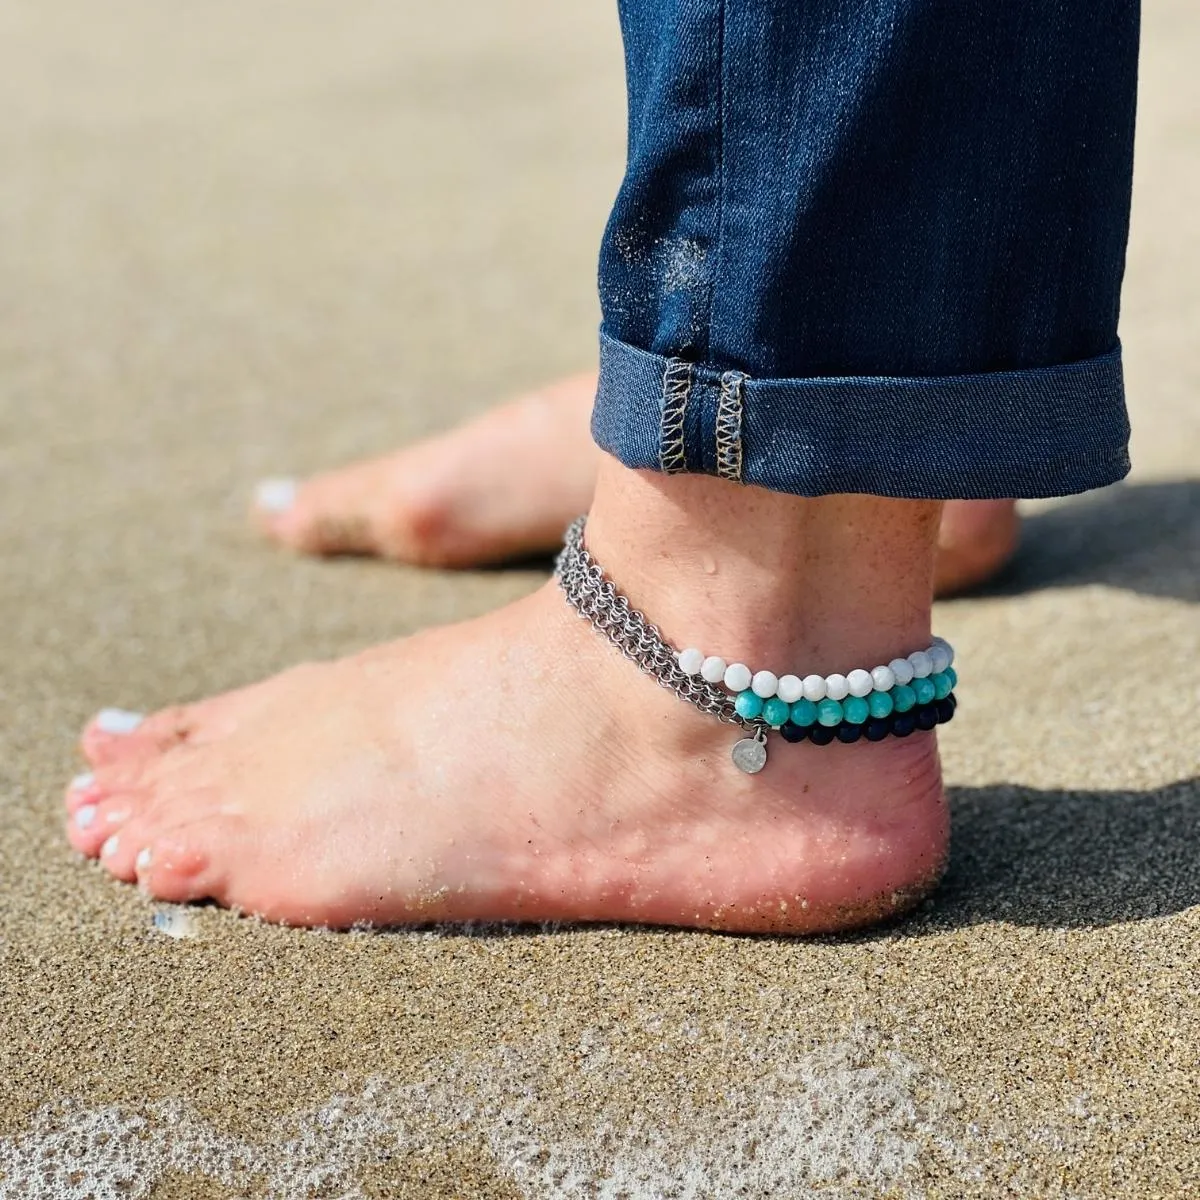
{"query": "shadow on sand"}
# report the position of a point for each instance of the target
(1144, 537)
(1069, 859)
(1086, 858)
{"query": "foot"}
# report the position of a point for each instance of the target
(518, 768)
(508, 483)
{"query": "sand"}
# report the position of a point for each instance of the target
(241, 239)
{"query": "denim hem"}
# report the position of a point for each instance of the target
(1045, 431)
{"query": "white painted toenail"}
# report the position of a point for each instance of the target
(82, 782)
(113, 817)
(275, 496)
(110, 847)
(85, 816)
(118, 720)
(143, 859)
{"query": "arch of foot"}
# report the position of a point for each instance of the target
(896, 698)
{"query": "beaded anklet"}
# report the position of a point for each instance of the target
(906, 695)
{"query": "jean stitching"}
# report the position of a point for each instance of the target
(719, 74)
(729, 426)
(677, 385)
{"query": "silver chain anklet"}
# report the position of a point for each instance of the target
(898, 710)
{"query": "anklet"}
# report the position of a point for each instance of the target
(901, 698)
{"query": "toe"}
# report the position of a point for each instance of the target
(93, 825)
(100, 803)
(179, 864)
(113, 735)
(109, 734)
(332, 513)
(82, 790)
(119, 852)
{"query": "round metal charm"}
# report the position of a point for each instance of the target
(749, 755)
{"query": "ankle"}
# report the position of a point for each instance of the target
(777, 581)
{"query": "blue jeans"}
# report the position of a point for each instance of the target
(872, 245)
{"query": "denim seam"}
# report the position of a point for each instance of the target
(718, 256)
(1037, 431)
(729, 426)
(677, 385)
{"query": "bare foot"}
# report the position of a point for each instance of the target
(539, 795)
(509, 482)
(516, 767)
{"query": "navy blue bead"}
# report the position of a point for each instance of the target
(793, 733)
(903, 723)
(849, 733)
(877, 728)
(953, 700)
(945, 710)
(926, 716)
(820, 735)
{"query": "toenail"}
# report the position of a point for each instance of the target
(81, 783)
(110, 847)
(85, 816)
(113, 817)
(275, 496)
(117, 720)
(143, 859)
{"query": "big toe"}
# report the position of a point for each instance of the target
(332, 513)
(116, 734)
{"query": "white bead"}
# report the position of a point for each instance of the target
(860, 681)
(939, 656)
(940, 641)
(884, 678)
(790, 689)
(690, 661)
(764, 684)
(902, 669)
(920, 662)
(712, 669)
(836, 687)
(737, 677)
(814, 687)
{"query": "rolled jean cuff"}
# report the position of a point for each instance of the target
(1045, 431)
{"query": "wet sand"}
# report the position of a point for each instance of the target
(248, 239)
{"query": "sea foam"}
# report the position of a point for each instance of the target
(850, 1118)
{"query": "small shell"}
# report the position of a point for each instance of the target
(174, 922)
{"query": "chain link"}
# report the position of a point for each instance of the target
(595, 597)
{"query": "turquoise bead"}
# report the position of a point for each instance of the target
(941, 685)
(880, 704)
(804, 713)
(924, 689)
(903, 697)
(776, 711)
(748, 705)
(952, 675)
(855, 709)
(829, 712)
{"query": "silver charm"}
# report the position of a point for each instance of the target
(750, 754)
